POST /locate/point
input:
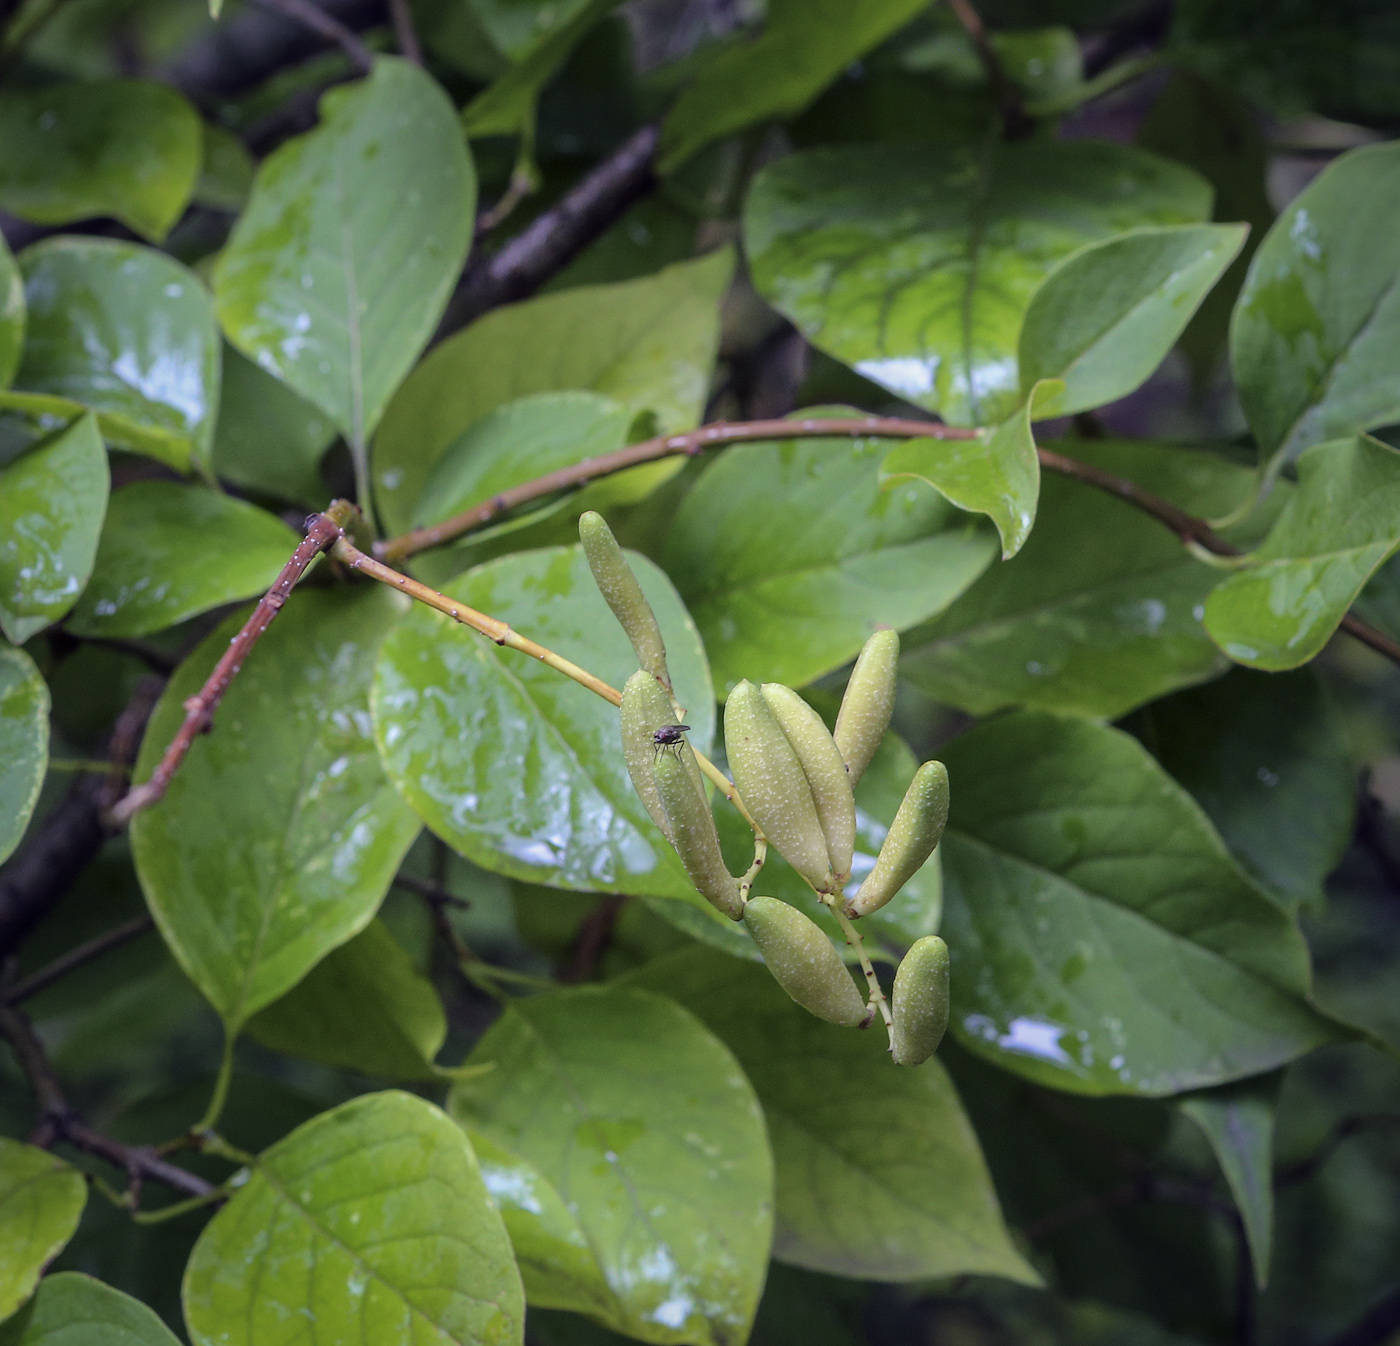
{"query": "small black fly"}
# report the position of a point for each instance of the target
(669, 736)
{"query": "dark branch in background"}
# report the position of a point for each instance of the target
(327, 26)
(1376, 1327)
(595, 936)
(74, 958)
(1016, 125)
(1143, 31)
(1303, 1169)
(557, 236)
(432, 893)
(405, 34)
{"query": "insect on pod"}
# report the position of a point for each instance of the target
(803, 961)
(693, 834)
(774, 786)
(910, 841)
(920, 1002)
(868, 703)
(825, 771)
(618, 585)
(646, 711)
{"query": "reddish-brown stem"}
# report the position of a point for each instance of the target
(321, 532)
(405, 34)
(1016, 125)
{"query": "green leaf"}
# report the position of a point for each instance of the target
(41, 1201)
(24, 743)
(52, 499)
(802, 48)
(649, 344)
(915, 264)
(341, 265)
(1103, 940)
(1107, 315)
(1102, 609)
(128, 331)
(268, 439)
(789, 555)
(368, 1223)
(170, 551)
(363, 1007)
(650, 1133)
(11, 315)
(126, 148)
(1238, 1120)
(226, 178)
(514, 765)
(997, 475)
(1314, 335)
(1258, 752)
(1337, 528)
(279, 835)
(879, 1174)
(71, 1309)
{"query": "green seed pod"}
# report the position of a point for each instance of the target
(910, 841)
(869, 702)
(825, 771)
(920, 1002)
(645, 709)
(803, 961)
(693, 834)
(624, 595)
(774, 786)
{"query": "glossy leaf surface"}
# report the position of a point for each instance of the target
(52, 500)
(129, 149)
(368, 1223)
(169, 551)
(339, 268)
(1107, 315)
(130, 333)
(789, 555)
(1314, 337)
(648, 344)
(41, 1200)
(646, 1127)
(879, 1174)
(1338, 527)
(71, 1309)
(1102, 939)
(24, 743)
(280, 835)
(1102, 609)
(511, 763)
(11, 315)
(915, 264)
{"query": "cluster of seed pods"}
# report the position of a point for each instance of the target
(797, 780)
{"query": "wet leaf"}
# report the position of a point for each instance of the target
(24, 743)
(361, 1008)
(513, 764)
(169, 552)
(11, 315)
(648, 344)
(1337, 529)
(52, 499)
(879, 1174)
(339, 268)
(279, 836)
(71, 1309)
(789, 555)
(125, 148)
(130, 333)
(369, 1222)
(1103, 940)
(41, 1201)
(915, 264)
(1313, 341)
(650, 1133)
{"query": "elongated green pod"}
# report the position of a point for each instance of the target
(693, 834)
(803, 961)
(774, 786)
(645, 709)
(910, 841)
(624, 595)
(825, 771)
(920, 1002)
(868, 703)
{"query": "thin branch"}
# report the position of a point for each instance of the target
(1016, 125)
(405, 34)
(595, 937)
(199, 709)
(58, 1121)
(1304, 1168)
(430, 892)
(315, 18)
(75, 958)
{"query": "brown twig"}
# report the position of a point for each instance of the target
(595, 936)
(326, 25)
(405, 34)
(74, 958)
(1016, 125)
(321, 531)
(433, 893)
(58, 1121)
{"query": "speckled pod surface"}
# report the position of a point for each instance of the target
(693, 834)
(920, 1003)
(914, 833)
(803, 961)
(866, 708)
(619, 586)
